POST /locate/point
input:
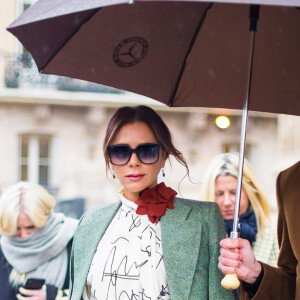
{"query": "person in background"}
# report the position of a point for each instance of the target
(149, 244)
(261, 281)
(35, 243)
(219, 185)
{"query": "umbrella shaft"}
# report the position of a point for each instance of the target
(254, 15)
(234, 233)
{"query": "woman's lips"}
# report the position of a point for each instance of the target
(229, 212)
(135, 177)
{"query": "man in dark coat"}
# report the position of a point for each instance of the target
(261, 281)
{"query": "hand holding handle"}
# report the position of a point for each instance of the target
(230, 281)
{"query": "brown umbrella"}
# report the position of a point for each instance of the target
(177, 52)
(181, 53)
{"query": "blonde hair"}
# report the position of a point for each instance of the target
(227, 164)
(26, 197)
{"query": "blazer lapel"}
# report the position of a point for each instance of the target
(86, 242)
(181, 238)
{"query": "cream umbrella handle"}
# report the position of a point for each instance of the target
(230, 282)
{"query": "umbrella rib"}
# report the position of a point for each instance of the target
(71, 34)
(170, 104)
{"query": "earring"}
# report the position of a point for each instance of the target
(113, 174)
(163, 172)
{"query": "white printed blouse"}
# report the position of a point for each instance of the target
(128, 263)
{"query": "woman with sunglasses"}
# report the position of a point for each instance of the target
(150, 244)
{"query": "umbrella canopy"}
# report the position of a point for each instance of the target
(181, 53)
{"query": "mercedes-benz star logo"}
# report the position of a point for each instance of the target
(130, 51)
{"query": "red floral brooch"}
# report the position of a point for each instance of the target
(155, 201)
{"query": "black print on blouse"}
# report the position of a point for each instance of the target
(124, 295)
(120, 272)
(147, 250)
(161, 258)
(124, 271)
(145, 229)
(120, 238)
(158, 247)
(152, 232)
(136, 222)
(127, 212)
(144, 296)
(164, 291)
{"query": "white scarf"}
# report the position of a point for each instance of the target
(128, 263)
(43, 254)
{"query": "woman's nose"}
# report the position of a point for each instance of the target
(228, 199)
(23, 234)
(134, 160)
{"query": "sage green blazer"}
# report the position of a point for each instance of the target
(190, 240)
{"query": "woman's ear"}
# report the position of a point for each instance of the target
(112, 171)
(165, 155)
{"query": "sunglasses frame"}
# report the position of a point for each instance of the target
(133, 151)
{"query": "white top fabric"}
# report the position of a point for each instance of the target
(128, 263)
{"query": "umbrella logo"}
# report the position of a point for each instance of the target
(130, 51)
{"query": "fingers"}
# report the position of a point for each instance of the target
(229, 262)
(234, 243)
(229, 243)
(228, 266)
(225, 269)
(22, 297)
(232, 254)
(230, 258)
(33, 294)
(25, 292)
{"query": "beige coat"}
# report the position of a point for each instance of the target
(284, 282)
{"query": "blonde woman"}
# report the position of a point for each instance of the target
(219, 185)
(35, 243)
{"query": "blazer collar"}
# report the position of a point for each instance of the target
(90, 236)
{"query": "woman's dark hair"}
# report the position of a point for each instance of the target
(130, 114)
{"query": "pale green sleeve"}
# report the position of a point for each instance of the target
(216, 234)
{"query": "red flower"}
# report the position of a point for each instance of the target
(155, 201)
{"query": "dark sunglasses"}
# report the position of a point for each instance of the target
(120, 155)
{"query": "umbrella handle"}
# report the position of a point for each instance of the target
(230, 282)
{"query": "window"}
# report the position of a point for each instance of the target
(252, 154)
(235, 147)
(35, 158)
(24, 4)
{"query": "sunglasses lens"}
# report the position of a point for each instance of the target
(119, 155)
(148, 153)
